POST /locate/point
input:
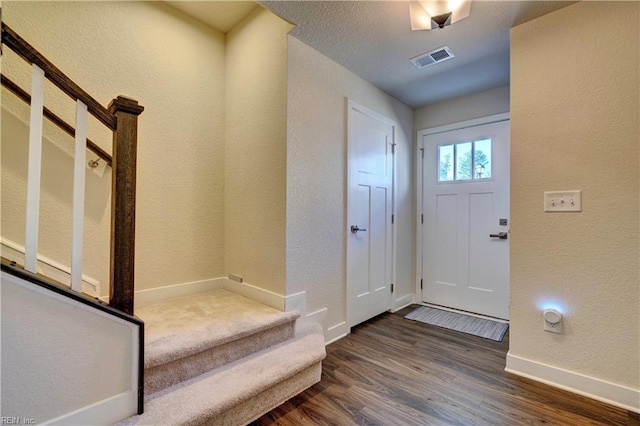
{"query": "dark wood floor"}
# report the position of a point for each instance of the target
(392, 371)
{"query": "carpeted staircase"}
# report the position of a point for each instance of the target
(219, 358)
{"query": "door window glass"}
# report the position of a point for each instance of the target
(445, 163)
(482, 159)
(465, 161)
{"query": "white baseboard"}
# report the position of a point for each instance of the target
(609, 393)
(296, 302)
(333, 333)
(318, 316)
(402, 302)
(153, 295)
(109, 411)
(313, 318)
(49, 267)
(336, 332)
(292, 302)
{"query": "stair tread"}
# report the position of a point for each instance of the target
(203, 397)
(183, 326)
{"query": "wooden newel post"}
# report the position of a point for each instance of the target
(123, 203)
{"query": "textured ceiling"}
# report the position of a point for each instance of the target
(374, 40)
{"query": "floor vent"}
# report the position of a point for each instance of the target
(438, 55)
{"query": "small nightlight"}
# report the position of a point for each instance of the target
(552, 320)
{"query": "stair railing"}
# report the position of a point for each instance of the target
(121, 117)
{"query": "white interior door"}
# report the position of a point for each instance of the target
(370, 205)
(465, 203)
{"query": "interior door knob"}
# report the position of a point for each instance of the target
(356, 228)
(501, 235)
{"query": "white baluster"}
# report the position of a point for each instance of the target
(34, 169)
(79, 162)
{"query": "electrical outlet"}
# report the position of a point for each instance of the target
(553, 328)
(237, 278)
(563, 201)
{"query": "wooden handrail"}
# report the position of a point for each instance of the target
(66, 127)
(57, 77)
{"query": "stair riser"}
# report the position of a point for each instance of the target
(253, 408)
(163, 376)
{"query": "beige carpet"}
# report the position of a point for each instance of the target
(188, 325)
(218, 358)
(237, 392)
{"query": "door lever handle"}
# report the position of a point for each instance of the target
(501, 235)
(356, 228)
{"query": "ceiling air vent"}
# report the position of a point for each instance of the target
(431, 58)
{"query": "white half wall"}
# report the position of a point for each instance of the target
(55, 350)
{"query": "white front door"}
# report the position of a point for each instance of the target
(465, 203)
(369, 209)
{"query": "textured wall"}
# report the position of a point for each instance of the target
(575, 125)
(52, 349)
(316, 178)
(476, 105)
(256, 150)
(172, 65)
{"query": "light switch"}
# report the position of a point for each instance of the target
(563, 201)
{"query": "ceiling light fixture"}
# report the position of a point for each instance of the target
(432, 14)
